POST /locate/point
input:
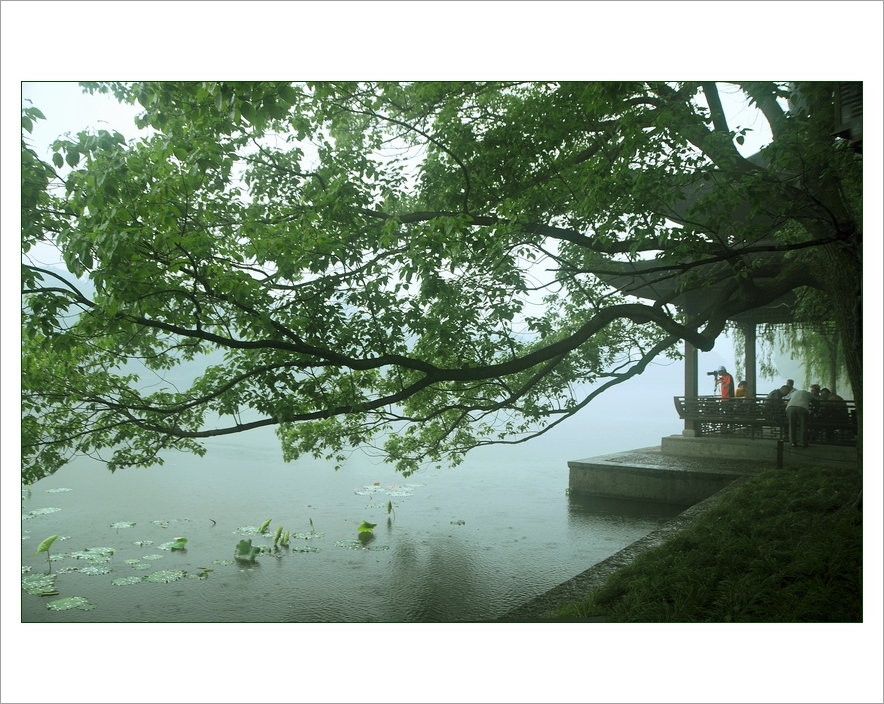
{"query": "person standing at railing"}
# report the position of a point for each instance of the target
(798, 412)
(726, 382)
(775, 407)
(741, 391)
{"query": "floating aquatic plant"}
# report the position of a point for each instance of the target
(360, 545)
(122, 524)
(143, 543)
(39, 584)
(165, 576)
(284, 539)
(98, 554)
(247, 530)
(305, 536)
(39, 512)
(222, 562)
(245, 551)
(122, 581)
(277, 536)
(177, 544)
(153, 556)
(71, 602)
(264, 525)
(25, 569)
(94, 569)
(304, 548)
(366, 527)
(58, 490)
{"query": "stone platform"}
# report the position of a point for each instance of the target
(685, 470)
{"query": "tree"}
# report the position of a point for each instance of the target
(423, 266)
(815, 341)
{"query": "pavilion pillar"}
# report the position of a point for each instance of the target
(749, 361)
(691, 383)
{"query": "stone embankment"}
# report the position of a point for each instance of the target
(681, 470)
(542, 607)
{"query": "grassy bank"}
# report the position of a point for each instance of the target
(785, 546)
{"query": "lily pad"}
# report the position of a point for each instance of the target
(122, 581)
(39, 584)
(143, 543)
(222, 562)
(165, 576)
(95, 555)
(71, 602)
(304, 548)
(177, 544)
(358, 545)
(245, 551)
(39, 512)
(122, 524)
(306, 536)
(58, 490)
(247, 530)
(95, 569)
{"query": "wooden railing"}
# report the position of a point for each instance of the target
(830, 422)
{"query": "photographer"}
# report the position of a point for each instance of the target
(725, 381)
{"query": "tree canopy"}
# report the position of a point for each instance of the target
(423, 267)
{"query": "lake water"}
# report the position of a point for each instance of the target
(454, 544)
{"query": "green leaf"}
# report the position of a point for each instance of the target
(264, 525)
(44, 546)
(58, 160)
(246, 551)
(179, 544)
(366, 527)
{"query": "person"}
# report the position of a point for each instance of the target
(741, 391)
(833, 411)
(790, 385)
(797, 412)
(774, 409)
(726, 382)
(826, 395)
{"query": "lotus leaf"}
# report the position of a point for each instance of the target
(164, 576)
(71, 602)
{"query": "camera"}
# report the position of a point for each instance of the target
(715, 374)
